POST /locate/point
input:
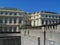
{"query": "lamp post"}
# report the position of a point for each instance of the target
(45, 28)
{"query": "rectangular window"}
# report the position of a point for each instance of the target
(10, 29)
(15, 13)
(1, 13)
(10, 20)
(5, 29)
(1, 20)
(6, 13)
(6, 20)
(15, 20)
(14, 29)
(0, 29)
(20, 20)
(10, 13)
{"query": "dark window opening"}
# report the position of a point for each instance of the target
(14, 20)
(1, 13)
(49, 16)
(1, 20)
(10, 29)
(10, 20)
(42, 21)
(53, 22)
(10, 13)
(20, 20)
(6, 20)
(46, 15)
(15, 13)
(6, 13)
(46, 21)
(14, 28)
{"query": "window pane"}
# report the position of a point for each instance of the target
(10, 20)
(14, 20)
(14, 28)
(6, 20)
(5, 29)
(10, 29)
(1, 20)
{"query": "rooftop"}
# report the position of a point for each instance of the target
(49, 12)
(8, 8)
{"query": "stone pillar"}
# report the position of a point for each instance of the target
(44, 21)
(8, 21)
(12, 29)
(3, 20)
(17, 30)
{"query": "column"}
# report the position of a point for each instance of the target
(44, 21)
(8, 21)
(12, 29)
(17, 29)
(3, 20)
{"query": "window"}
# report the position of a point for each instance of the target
(53, 22)
(6, 20)
(10, 20)
(1, 29)
(50, 21)
(20, 20)
(15, 13)
(52, 16)
(6, 13)
(5, 29)
(56, 21)
(1, 13)
(46, 21)
(14, 28)
(42, 21)
(46, 15)
(1, 20)
(59, 17)
(49, 16)
(10, 13)
(19, 13)
(56, 16)
(10, 29)
(15, 20)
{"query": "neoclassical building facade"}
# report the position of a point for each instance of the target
(20, 28)
(10, 19)
(44, 18)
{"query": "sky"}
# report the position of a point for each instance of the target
(32, 5)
